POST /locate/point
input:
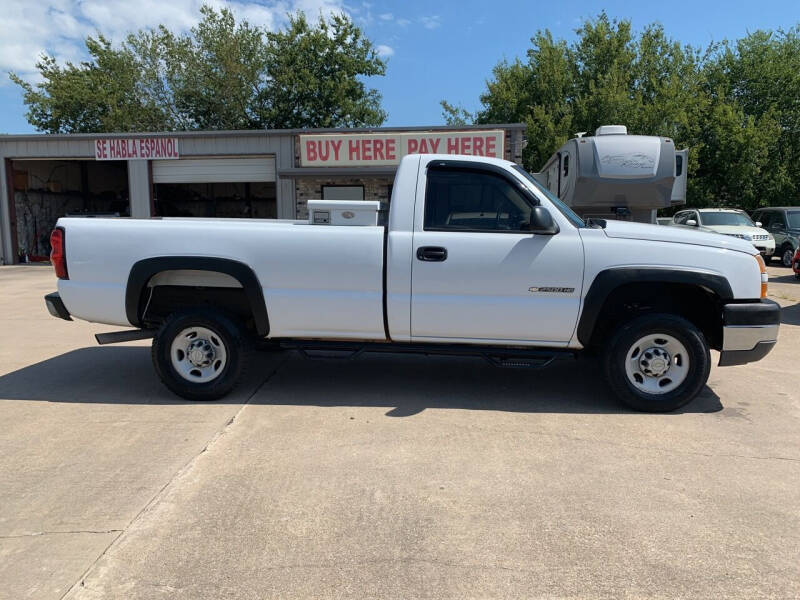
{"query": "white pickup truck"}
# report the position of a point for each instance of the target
(477, 259)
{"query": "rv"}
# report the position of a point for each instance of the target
(613, 175)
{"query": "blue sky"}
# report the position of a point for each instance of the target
(435, 50)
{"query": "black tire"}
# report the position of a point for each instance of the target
(786, 256)
(615, 357)
(228, 334)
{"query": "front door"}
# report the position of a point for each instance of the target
(478, 275)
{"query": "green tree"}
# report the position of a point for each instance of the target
(93, 96)
(220, 75)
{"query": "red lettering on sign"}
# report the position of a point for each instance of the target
(452, 145)
(413, 146)
(378, 148)
(477, 146)
(337, 145)
(391, 151)
(354, 149)
(435, 144)
(466, 146)
(324, 151)
(311, 150)
(366, 149)
(491, 147)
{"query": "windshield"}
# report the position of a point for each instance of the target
(726, 218)
(794, 219)
(562, 208)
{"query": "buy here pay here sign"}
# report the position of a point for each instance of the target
(376, 149)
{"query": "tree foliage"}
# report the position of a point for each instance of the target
(735, 105)
(220, 75)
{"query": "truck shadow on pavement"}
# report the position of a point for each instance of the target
(790, 315)
(406, 385)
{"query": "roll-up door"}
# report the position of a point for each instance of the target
(211, 170)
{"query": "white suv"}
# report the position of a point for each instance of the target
(729, 221)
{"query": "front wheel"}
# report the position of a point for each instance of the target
(200, 354)
(657, 362)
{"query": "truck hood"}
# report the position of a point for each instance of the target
(678, 235)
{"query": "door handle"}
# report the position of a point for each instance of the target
(432, 253)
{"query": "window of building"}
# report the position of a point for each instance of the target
(342, 192)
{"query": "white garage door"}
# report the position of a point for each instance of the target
(212, 170)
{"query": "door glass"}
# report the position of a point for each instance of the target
(474, 201)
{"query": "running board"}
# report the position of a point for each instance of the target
(516, 358)
(130, 335)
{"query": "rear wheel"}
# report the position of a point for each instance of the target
(657, 362)
(200, 354)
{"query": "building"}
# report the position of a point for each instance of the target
(257, 174)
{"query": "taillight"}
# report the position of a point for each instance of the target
(58, 255)
(764, 276)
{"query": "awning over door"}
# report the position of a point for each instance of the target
(212, 170)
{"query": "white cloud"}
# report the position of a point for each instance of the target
(403, 22)
(431, 22)
(384, 51)
(386, 17)
(58, 27)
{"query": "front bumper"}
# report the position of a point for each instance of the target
(764, 248)
(749, 331)
(55, 306)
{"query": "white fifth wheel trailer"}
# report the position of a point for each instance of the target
(613, 175)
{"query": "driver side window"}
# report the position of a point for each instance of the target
(464, 200)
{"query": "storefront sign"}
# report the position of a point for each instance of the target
(135, 148)
(377, 149)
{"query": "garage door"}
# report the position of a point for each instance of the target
(212, 170)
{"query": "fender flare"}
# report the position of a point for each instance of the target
(609, 280)
(143, 270)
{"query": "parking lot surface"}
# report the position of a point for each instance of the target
(392, 477)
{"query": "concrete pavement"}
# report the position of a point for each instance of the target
(386, 476)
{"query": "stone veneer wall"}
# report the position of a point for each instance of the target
(310, 188)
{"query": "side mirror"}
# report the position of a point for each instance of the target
(758, 223)
(691, 223)
(542, 222)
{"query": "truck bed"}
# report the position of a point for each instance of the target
(321, 280)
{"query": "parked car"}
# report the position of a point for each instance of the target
(478, 259)
(664, 220)
(796, 263)
(784, 224)
(729, 221)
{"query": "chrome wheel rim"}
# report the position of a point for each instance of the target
(198, 354)
(657, 363)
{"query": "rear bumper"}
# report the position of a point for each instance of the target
(749, 331)
(55, 306)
